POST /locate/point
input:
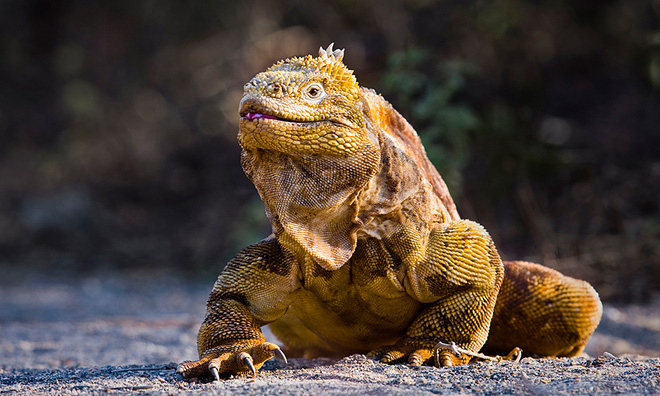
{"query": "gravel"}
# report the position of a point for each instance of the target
(123, 333)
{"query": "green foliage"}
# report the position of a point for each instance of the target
(433, 95)
(428, 95)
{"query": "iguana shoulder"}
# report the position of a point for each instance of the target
(404, 136)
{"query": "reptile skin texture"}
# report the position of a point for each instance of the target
(368, 253)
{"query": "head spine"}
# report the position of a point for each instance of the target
(336, 55)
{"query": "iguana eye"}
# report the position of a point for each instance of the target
(314, 92)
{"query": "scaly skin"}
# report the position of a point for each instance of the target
(368, 252)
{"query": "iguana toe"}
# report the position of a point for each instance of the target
(387, 355)
(419, 357)
(447, 359)
(391, 354)
(246, 359)
(191, 369)
(224, 361)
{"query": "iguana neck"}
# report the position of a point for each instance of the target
(399, 199)
(319, 205)
(311, 199)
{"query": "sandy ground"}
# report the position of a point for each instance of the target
(124, 333)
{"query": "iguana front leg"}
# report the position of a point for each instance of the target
(255, 289)
(459, 277)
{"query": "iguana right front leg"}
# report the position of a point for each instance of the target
(459, 279)
(255, 289)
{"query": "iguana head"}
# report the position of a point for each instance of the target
(304, 105)
(310, 148)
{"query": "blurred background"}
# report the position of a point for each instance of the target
(118, 124)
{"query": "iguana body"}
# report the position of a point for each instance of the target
(368, 252)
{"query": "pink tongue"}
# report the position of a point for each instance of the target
(252, 116)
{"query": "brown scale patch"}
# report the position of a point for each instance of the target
(238, 297)
(371, 258)
(274, 259)
(439, 286)
(321, 272)
(531, 314)
(510, 298)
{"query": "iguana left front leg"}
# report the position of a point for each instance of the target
(459, 277)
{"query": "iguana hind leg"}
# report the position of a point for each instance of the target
(543, 312)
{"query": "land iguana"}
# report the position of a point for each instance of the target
(368, 253)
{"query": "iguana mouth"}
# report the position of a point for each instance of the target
(254, 116)
(253, 110)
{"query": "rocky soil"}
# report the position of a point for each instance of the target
(124, 332)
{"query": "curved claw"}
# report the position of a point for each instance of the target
(517, 352)
(247, 361)
(278, 354)
(214, 371)
(454, 349)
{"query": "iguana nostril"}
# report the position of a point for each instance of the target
(274, 89)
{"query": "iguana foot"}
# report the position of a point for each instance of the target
(228, 360)
(417, 355)
(440, 358)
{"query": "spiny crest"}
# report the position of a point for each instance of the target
(328, 62)
(336, 55)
